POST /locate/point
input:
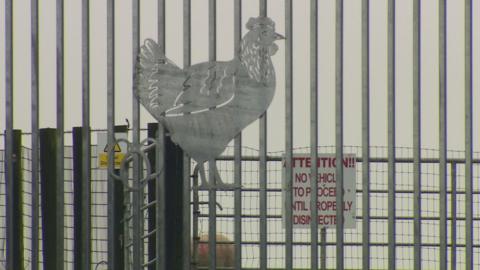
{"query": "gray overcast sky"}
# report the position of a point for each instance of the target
(276, 116)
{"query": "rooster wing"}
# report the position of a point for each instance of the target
(166, 90)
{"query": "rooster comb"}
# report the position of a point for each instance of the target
(257, 22)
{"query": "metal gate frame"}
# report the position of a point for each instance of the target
(417, 159)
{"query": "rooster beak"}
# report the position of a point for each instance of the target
(278, 36)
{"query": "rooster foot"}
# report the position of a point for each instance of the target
(217, 184)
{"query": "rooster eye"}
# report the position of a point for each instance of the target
(264, 33)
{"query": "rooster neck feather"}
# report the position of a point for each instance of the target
(256, 60)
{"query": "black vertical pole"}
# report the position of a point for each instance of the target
(119, 199)
(173, 204)
(77, 196)
(119, 215)
(16, 199)
(173, 201)
(152, 129)
(48, 181)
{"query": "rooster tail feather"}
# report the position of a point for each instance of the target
(151, 54)
(158, 80)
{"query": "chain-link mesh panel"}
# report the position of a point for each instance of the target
(430, 213)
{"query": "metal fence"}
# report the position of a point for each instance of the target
(430, 219)
(416, 208)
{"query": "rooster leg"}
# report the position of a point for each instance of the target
(218, 183)
(204, 184)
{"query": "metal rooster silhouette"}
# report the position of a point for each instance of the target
(206, 105)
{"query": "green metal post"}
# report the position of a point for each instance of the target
(48, 182)
(15, 197)
(81, 234)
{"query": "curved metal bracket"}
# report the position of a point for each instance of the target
(134, 149)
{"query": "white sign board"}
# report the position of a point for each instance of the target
(326, 205)
(102, 149)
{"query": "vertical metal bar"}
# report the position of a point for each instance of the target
(391, 134)
(196, 212)
(186, 166)
(212, 30)
(313, 133)
(186, 213)
(127, 230)
(187, 235)
(237, 152)
(85, 255)
(288, 134)
(443, 132)
(212, 194)
(366, 133)
(238, 202)
(160, 241)
(187, 33)
(263, 172)
(417, 223)
(468, 137)
(263, 8)
(137, 198)
(35, 106)
(263, 191)
(323, 252)
(339, 128)
(161, 25)
(11, 256)
(453, 200)
(212, 222)
(60, 138)
(113, 256)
